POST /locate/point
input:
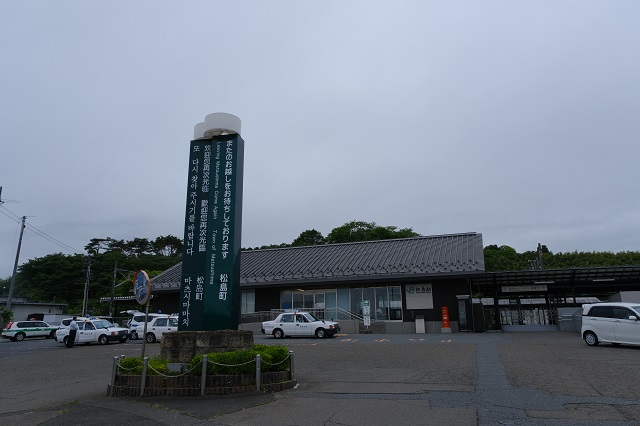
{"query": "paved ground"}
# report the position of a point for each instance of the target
(459, 379)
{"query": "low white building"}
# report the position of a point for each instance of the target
(24, 309)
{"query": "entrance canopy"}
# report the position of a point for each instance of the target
(570, 281)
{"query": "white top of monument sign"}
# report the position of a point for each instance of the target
(216, 124)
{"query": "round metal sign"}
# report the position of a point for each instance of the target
(141, 287)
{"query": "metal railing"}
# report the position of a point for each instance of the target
(203, 377)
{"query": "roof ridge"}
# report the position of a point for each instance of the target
(419, 237)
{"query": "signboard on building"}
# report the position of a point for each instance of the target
(419, 296)
(524, 288)
(210, 288)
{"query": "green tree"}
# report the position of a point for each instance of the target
(53, 278)
(96, 245)
(138, 246)
(367, 231)
(503, 258)
(167, 245)
(310, 237)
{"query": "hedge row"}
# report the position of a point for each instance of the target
(274, 358)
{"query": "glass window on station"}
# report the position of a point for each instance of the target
(385, 303)
(248, 301)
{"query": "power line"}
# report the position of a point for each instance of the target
(38, 232)
(11, 215)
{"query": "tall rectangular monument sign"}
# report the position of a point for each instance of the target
(210, 288)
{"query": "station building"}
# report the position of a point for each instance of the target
(404, 284)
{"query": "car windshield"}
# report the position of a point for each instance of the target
(102, 324)
(636, 308)
(311, 317)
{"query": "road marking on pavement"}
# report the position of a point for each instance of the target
(381, 340)
(446, 341)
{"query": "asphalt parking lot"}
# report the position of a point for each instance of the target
(459, 379)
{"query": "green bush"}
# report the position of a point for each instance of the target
(242, 362)
(6, 315)
(274, 358)
(133, 365)
(237, 362)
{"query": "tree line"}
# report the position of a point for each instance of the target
(505, 258)
(61, 278)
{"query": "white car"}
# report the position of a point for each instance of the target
(138, 318)
(300, 324)
(19, 330)
(617, 323)
(93, 330)
(157, 327)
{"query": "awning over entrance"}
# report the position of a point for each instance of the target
(572, 281)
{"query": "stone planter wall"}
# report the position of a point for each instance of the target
(183, 346)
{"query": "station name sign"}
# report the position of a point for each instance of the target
(524, 288)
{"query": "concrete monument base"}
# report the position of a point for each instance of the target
(183, 346)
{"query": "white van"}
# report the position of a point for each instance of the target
(613, 322)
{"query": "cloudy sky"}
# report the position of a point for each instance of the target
(518, 120)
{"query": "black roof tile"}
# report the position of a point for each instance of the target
(428, 256)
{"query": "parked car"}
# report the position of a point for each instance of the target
(614, 322)
(138, 318)
(93, 330)
(157, 327)
(300, 324)
(20, 330)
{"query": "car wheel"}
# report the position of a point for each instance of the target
(278, 334)
(65, 340)
(134, 336)
(320, 333)
(151, 338)
(20, 337)
(590, 338)
(103, 339)
(52, 335)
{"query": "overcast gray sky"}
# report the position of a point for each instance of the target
(518, 120)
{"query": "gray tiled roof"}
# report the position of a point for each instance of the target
(431, 256)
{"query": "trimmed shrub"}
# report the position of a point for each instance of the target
(274, 358)
(133, 365)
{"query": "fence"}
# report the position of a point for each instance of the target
(189, 384)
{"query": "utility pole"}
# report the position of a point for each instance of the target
(539, 257)
(86, 289)
(15, 265)
(113, 289)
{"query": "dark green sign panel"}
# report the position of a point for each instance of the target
(210, 290)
